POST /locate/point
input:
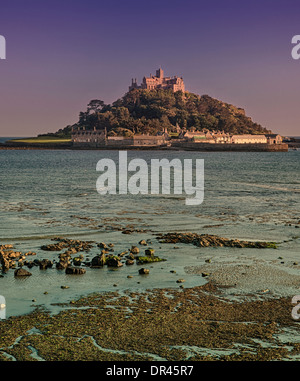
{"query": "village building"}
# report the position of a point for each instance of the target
(274, 139)
(99, 138)
(221, 137)
(92, 137)
(248, 139)
(206, 137)
(159, 82)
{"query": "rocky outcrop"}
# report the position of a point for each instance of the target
(9, 258)
(45, 264)
(75, 270)
(21, 272)
(205, 240)
(73, 245)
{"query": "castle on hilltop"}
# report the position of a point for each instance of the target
(159, 82)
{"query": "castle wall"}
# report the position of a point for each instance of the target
(160, 82)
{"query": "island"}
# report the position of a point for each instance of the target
(160, 114)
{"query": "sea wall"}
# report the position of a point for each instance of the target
(258, 147)
(187, 146)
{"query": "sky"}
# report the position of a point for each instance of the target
(61, 54)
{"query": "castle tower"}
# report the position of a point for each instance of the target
(160, 73)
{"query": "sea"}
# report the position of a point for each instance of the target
(52, 193)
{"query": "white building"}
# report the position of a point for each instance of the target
(247, 138)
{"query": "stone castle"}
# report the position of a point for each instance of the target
(159, 82)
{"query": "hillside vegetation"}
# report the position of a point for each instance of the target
(144, 111)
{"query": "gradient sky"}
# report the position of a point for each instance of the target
(63, 53)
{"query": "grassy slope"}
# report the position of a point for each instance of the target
(42, 140)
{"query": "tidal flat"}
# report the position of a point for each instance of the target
(222, 319)
(203, 298)
(196, 324)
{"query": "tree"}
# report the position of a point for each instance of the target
(95, 105)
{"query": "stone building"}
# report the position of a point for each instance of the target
(274, 139)
(247, 138)
(93, 137)
(98, 138)
(159, 82)
(206, 137)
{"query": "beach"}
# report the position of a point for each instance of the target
(201, 302)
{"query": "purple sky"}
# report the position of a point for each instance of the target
(63, 53)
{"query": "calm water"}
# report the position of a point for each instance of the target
(45, 194)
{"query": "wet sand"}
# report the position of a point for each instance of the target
(196, 324)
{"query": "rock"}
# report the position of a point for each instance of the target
(102, 245)
(113, 261)
(208, 260)
(149, 252)
(22, 272)
(134, 250)
(61, 265)
(45, 264)
(143, 242)
(29, 264)
(71, 250)
(4, 262)
(129, 262)
(64, 287)
(143, 271)
(180, 280)
(129, 276)
(77, 261)
(98, 261)
(75, 270)
(205, 274)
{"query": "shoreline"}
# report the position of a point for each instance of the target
(198, 147)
